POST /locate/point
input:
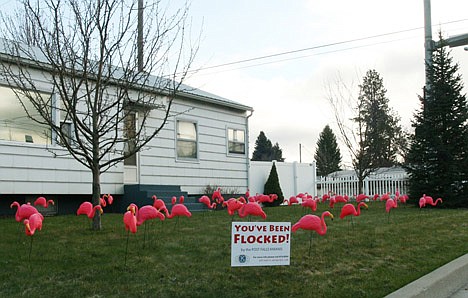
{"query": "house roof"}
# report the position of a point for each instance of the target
(379, 171)
(201, 95)
(35, 55)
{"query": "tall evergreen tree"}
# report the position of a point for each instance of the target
(380, 124)
(262, 151)
(265, 151)
(378, 132)
(277, 153)
(327, 155)
(437, 160)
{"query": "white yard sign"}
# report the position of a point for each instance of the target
(260, 243)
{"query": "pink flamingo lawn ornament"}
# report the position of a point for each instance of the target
(375, 197)
(325, 197)
(385, 197)
(262, 198)
(233, 205)
(310, 203)
(23, 211)
(251, 208)
(103, 202)
(179, 209)
(130, 223)
(31, 224)
(41, 201)
(146, 213)
(87, 209)
(159, 204)
(312, 223)
(389, 205)
(349, 209)
(403, 198)
(427, 200)
(292, 200)
(361, 197)
(217, 197)
(341, 198)
(109, 198)
(206, 200)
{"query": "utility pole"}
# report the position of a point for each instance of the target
(300, 153)
(428, 42)
(430, 45)
(140, 35)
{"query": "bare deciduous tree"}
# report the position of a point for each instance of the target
(86, 52)
(352, 129)
(375, 139)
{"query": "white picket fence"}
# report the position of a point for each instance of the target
(301, 178)
(383, 181)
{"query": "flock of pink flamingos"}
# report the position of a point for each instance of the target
(135, 216)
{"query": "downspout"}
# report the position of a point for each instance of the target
(247, 137)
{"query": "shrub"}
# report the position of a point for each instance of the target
(272, 186)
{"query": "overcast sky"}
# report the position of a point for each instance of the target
(344, 38)
(289, 92)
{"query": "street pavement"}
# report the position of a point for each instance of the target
(448, 281)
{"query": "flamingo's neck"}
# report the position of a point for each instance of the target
(323, 225)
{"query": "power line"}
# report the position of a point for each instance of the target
(305, 56)
(315, 48)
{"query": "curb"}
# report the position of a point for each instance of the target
(442, 282)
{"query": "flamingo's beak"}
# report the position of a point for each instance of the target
(331, 215)
(366, 206)
(28, 227)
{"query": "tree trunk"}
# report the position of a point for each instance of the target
(360, 184)
(96, 196)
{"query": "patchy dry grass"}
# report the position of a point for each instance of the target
(371, 258)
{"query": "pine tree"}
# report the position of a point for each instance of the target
(380, 123)
(277, 153)
(262, 151)
(272, 186)
(265, 151)
(377, 133)
(437, 161)
(327, 155)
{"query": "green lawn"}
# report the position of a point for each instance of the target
(191, 257)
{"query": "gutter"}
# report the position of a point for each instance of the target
(247, 136)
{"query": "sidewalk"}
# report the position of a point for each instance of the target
(448, 281)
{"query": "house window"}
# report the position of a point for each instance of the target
(15, 125)
(65, 123)
(130, 125)
(66, 129)
(236, 141)
(186, 139)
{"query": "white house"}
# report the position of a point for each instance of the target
(204, 142)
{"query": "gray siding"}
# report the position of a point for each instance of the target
(32, 169)
(214, 165)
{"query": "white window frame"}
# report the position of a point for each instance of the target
(228, 141)
(29, 138)
(136, 123)
(177, 139)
